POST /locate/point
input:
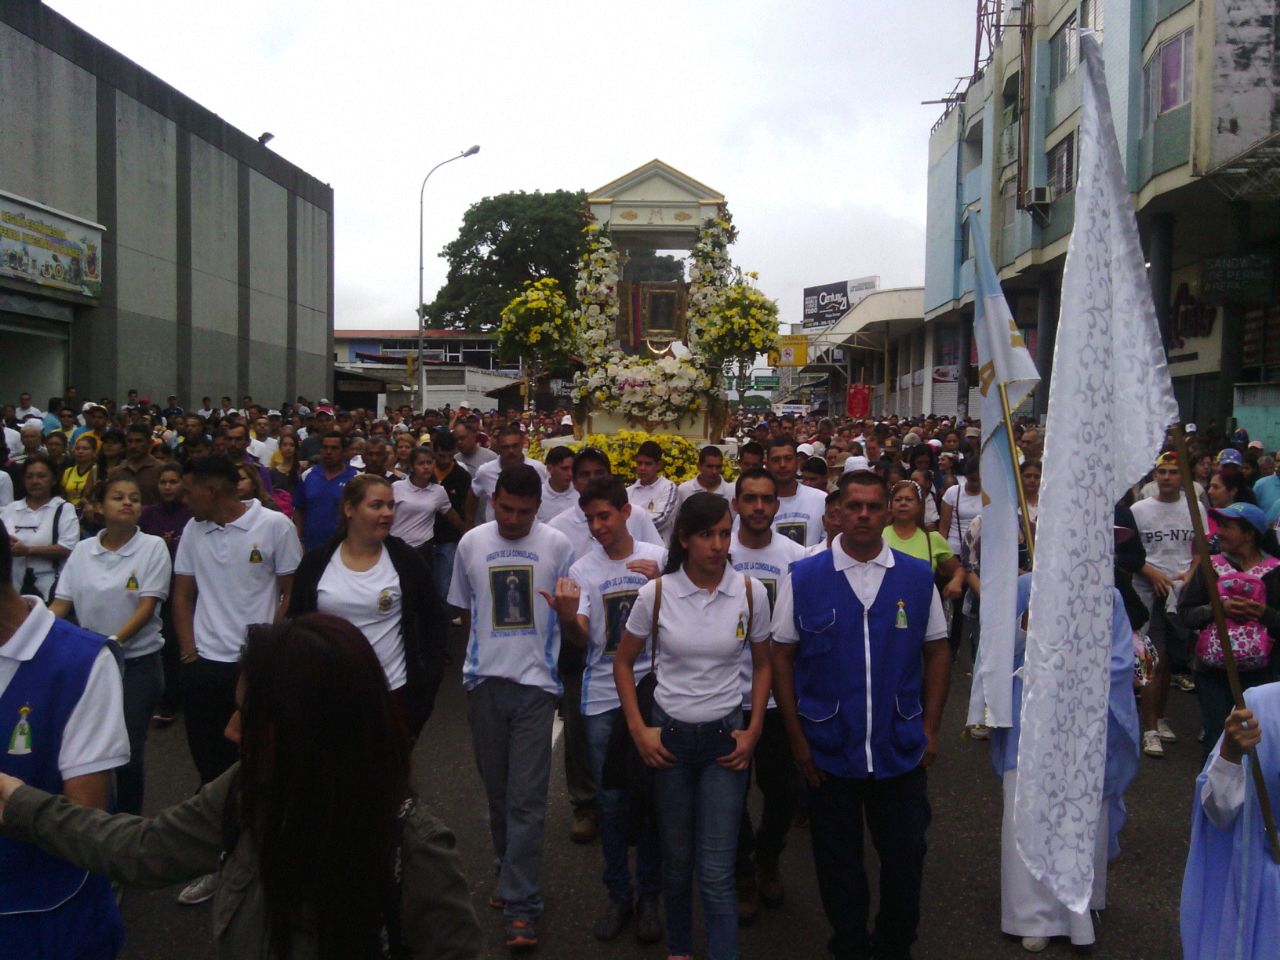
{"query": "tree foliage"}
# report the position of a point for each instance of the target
(504, 241)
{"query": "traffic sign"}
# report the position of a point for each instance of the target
(793, 351)
(766, 383)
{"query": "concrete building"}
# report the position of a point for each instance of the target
(144, 242)
(460, 367)
(1193, 89)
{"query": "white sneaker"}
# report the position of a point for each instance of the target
(199, 890)
(1165, 731)
(1034, 944)
(456, 621)
(1151, 744)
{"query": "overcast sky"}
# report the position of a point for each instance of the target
(806, 115)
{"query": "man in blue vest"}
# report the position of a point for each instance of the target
(62, 729)
(860, 679)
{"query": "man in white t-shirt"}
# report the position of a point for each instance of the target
(234, 567)
(593, 604)
(761, 552)
(59, 687)
(710, 478)
(483, 484)
(590, 464)
(558, 493)
(652, 492)
(1164, 524)
(800, 508)
(511, 681)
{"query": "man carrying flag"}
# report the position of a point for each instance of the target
(1110, 402)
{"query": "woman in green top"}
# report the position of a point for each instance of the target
(906, 532)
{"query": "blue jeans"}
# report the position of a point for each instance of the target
(143, 681)
(613, 822)
(443, 554)
(699, 806)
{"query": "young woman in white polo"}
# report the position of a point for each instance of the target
(115, 583)
(694, 737)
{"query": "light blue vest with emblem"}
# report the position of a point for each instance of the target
(858, 670)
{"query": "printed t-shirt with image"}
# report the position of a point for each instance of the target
(609, 592)
(770, 565)
(514, 633)
(800, 516)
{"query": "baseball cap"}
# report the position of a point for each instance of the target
(90, 405)
(1255, 445)
(566, 421)
(972, 433)
(273, 413)
(856, 463)
(1247, 512)
(805, 449)
(324, 409)
(1230, 457)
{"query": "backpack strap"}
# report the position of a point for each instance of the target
(653, 634)
(751, 610)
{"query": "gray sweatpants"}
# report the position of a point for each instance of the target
(511, 736)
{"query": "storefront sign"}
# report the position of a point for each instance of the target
(1247, 280)
(48, 248)
(826, 304)
(793, 351)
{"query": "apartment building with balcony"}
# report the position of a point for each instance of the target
(1193, 87)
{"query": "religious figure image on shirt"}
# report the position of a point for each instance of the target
(771, 588)
(792, 531)
(511, 589)
(617, 610)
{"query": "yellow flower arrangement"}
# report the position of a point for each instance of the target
(537, 323)
(679, 456)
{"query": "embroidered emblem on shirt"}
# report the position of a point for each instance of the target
(20, 738)
(901, 621)
(741, 632)
(255, 555)
(132, 582)
(385, 600)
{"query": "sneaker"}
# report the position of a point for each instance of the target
(1165, 731)
(586, 825)
(611, 923)
(162, 718)
(496, 902)
(199, 890)
(648, 920)
(1151, 744)
(979, 731)
(1034, 944)
(521, 935)
(769, 883)
(457, 621)
(748, 899)
(1184, 682)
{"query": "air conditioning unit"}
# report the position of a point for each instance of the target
(1037, 197)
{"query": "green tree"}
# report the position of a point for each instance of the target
(504, 241)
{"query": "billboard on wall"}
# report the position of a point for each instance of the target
(48, 248)
(826, 304)
(1246, 79)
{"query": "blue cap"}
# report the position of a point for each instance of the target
(1230, 455)
(1242, 511)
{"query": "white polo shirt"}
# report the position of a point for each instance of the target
(236, 567)
(799, 516)
(95, 738)
(553, 503)
(485, 482)
(692, 486)
(700, 641)
(416, 509)
(370, 601)
(658, 499)
(864, 580)
(105, 587)
(573, 524)
(608, 592)
(770, 565)
(514, 633)
(35, 528)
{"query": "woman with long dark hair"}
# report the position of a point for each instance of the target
(382, 585)
(42, 527)
(694, 738)
(309, 871)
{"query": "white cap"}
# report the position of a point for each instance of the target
(1191, 428)
(566, 421)
(805, 449)
(856, 463)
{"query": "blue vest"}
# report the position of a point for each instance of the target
(857, 670)
(34, 711)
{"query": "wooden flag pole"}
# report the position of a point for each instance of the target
(1210, 576)
(1017, 474)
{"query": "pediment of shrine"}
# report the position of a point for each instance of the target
(654, 206)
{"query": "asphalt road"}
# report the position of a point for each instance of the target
(961, 908)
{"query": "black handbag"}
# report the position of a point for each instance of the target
(28, 587)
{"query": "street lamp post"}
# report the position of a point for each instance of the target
(422, 311)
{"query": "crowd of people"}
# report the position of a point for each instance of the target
(286, 579)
